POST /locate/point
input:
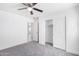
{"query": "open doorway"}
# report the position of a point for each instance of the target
(33, 30)
(30, 31)
(49, 32)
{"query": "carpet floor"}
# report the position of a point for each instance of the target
(34, 49)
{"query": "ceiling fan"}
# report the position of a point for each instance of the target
(30, 7)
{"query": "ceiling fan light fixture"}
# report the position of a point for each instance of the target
(29, 9)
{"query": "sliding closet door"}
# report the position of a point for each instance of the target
(59, 32)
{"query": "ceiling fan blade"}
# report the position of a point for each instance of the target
(34, 4)
(22, 8)
(29, 5)
(31, 12)
(38, 9)
(25, 4)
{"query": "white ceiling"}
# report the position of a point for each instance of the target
(46, 7)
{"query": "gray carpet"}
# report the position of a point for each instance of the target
(34, 49)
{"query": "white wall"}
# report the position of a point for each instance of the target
(72, 32)
(13, 29)
(72, 29)
(42, 31)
